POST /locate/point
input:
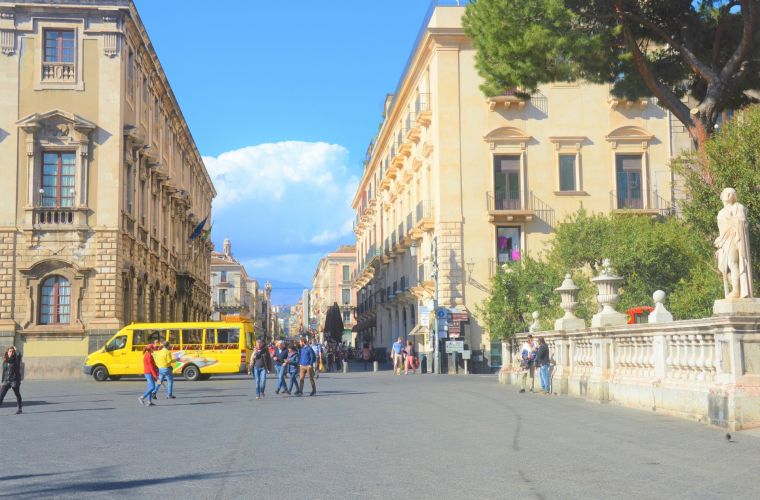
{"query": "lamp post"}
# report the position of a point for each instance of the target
(434, 334)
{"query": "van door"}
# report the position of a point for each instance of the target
(117, 354)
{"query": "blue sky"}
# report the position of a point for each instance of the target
(282, 98)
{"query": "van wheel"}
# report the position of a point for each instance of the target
(100, 373)
(114, 377)
(191, 373)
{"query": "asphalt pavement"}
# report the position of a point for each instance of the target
(365, 435)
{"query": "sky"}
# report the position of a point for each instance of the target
(282, 98)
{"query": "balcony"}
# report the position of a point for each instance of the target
(423, 220)
(404, 146)
(511, 98)
(58, 72)
(511, 207)
(402, 245)
(422, 109)
(412, 127)
(632, 202)
(394, 244)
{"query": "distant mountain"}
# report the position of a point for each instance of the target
(284, 293)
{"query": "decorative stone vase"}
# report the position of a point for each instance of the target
(568, 291)
(607, 283)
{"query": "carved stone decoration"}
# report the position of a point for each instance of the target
(569, 293)
(607, 283)
(111, 44)
(8, 42)
(536, 325)
(660, 314)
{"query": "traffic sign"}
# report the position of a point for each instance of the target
(441, 313)
(454, 346)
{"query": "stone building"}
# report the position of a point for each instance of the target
(332, 284)
(105, 183)
(470, 183)
(232, 293)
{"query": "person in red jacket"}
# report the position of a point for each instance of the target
(151, 375)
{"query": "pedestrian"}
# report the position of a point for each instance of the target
(13, 374)
(306, 362)
(366, 355)
(410, 358)
(317, 348)
(544, 365)
(280, 357)
(527, 363)
(339, 355)
(259, 367)
(150, 370)
(397, 352)
(164, 362)
(291, 364)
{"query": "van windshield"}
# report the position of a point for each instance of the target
(117, 343)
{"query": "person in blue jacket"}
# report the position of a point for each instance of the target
(291, 364)
(306, 360)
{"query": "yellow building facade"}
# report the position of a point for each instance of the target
(104, 184)
(462, 184)
(332, 284)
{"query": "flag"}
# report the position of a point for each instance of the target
(198, 229)
(207, 233)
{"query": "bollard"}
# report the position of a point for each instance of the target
(345, 366)
(376, 366)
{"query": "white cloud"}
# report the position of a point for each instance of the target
(284, 205)
(270, 171)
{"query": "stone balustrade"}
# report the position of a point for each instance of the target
(707, 370)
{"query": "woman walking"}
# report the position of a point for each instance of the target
(12, 376)
(150, 370)
(411, 358)
(259, 366)
(366, 356)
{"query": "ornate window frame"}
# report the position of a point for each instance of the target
(42, 25)
(36, 274)
(59, 131)
(568, 145)
(510, 141)
(630, 139)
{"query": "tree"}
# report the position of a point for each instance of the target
(731, 159)
(706, 49)
(334, 323)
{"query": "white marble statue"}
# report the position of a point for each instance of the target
(733, 247)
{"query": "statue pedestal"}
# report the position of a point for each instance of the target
(569, 324)
(608, 318)
(737, 307)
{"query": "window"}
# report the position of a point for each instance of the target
(628, 174)
(222, 296)
(192, 338)
(346, 295)
(130, 73)
(228, 336)
(507, 182)
(567, 173)
(59, 46)
(117, 343)
(507, 244)
(55, 301)
(224, 276)
(58, 179)
(346, 317)
(129, 187)
(346, 273)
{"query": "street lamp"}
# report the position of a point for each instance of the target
(434, 334)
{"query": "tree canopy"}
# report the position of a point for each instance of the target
(708, 50)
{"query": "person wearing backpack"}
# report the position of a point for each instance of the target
(528, 363)
(13, 374)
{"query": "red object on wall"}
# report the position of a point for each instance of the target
(635, 314)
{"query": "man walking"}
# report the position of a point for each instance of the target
(316, 347)
(306, 363)
(164, 362)
(280, 356)
(544, 365)
(397, 353)
(528, 362)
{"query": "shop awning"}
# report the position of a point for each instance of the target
(420, 330)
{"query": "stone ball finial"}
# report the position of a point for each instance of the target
(658, 297)
(535, 315)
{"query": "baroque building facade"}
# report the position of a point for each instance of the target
(456, 185)
(105, 185)
(332, 284)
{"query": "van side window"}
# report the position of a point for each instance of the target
(173, 337)
(230, 337)
(210, 339)
(141, 338)
(117, 343)
(192, 338)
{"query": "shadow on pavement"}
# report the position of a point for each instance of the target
(69, 410)
(29, 403)
(104, 485)
(193, 404)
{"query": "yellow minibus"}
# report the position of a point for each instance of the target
(199, 349)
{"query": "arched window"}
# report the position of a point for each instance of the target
(55, 301)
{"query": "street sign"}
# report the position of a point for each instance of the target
(466, 354)
(465, 317)
(441, 313)
(454, 346)
(425, 316)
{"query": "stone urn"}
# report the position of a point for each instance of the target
(568, 292)
(607, 284)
